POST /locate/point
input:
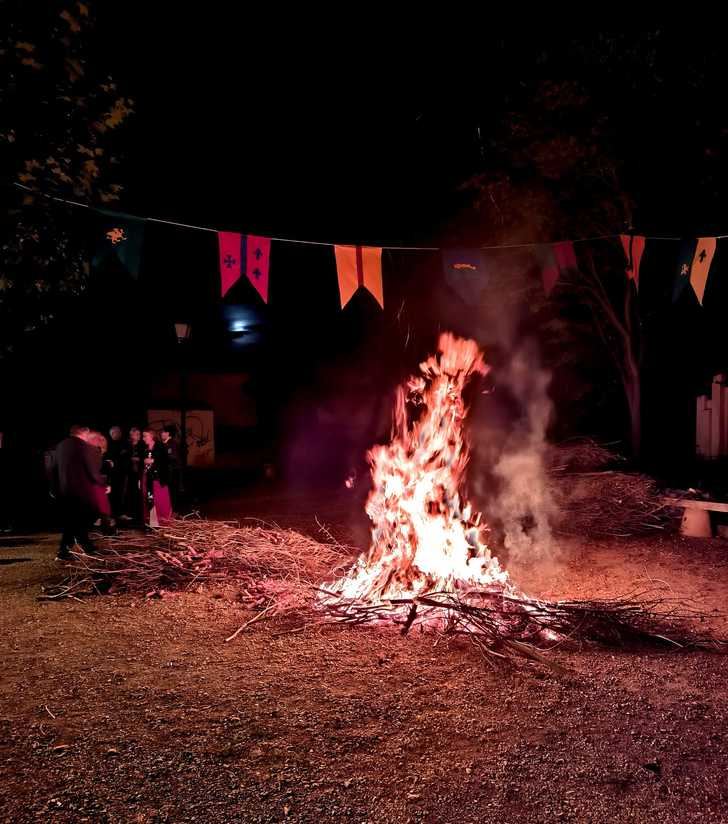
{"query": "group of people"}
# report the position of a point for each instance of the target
(107, 481)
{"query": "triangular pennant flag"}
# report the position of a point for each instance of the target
(258, 264)
(359, 266)
(700, 269)
(232, 255)
(244, 255)
(119, 238)
(634, 246)
(549, 270)
(684, 264)
(555, 260)
(565, 256)
(465, 272)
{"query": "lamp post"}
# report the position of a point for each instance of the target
(183, 333)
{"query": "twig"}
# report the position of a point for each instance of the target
(248, 623)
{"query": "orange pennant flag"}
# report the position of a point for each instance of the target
(359, 266)
(699, 271)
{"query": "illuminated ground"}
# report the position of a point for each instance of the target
(120, 710)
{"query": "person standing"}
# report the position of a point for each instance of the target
(154, 488)
(170, 445)
(79, 483)
(117, 456)
(133, 466)
(106, 520)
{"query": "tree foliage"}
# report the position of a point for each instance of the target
(583, 144)
(61, 138)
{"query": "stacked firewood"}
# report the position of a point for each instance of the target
(268, 566)
(595, 498)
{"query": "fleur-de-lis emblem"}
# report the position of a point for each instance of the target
(116, 236)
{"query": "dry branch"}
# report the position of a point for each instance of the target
(593, 500)
(503, 625)
(271, 568)
(276, 572)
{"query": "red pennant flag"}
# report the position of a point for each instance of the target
(231, 259)
(258, 264)
(244, 254)
(565, 256)
(556, 259)
(359, 267)
(634, 246)
(549, 270)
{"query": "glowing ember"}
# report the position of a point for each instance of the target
(425, 538)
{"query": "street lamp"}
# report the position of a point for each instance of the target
(183, 330)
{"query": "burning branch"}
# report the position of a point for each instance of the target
(428, 563)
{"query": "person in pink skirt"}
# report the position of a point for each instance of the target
(155, 481)
(103, 503)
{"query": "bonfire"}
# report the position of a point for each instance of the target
(426, 537)
(428, 565)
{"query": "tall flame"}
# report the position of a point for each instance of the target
(425, 537)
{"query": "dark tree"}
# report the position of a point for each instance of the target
(60, 138)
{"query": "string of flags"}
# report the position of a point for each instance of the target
(121, 237)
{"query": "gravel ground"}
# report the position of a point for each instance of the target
(116, 709)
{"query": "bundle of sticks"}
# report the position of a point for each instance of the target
(580, 455)
(270, 567)
(594, 500)
(610, 504)
(278, 572)
(503, 625)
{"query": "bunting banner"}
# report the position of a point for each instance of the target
(700, 268)
(119, 239)
(555, 259)
(465, 272)
(244, 254)
(686, 255)
(565, 257)
(231, 259)
(359, 267)
(258, 264)
(549, 269)
(119, 242)
(634, 246)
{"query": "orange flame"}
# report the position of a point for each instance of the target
(425, 537)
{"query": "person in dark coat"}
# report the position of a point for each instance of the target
(117, 459)
(133, 467)
(169, 443)
(79, 483)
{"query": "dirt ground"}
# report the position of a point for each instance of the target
(117, 709)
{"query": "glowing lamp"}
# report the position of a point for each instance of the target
(183, 331)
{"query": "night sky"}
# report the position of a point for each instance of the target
(344, 139)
